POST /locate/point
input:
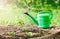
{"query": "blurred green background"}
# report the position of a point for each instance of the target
(12, 11)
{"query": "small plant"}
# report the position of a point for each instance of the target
(29, 34)
(42, 31)
(11, 33)
(24, 29)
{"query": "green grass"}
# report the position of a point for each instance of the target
(56, 17)
(15, 16)
(9, 16)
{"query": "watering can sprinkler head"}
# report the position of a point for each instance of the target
(26, 13)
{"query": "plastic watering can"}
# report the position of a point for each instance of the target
(43, 18)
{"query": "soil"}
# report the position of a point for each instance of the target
(20, 32)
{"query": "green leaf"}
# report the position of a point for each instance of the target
(11, 33)
(29, 34)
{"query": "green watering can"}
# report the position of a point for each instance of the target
(43, 18)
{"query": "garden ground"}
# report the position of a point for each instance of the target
(29, 32)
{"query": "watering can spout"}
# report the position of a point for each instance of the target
(35, 20)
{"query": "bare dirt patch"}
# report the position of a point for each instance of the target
(29, 32)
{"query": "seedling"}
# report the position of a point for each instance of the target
(24, 29)
(29, 34)
(11, 33)
(42, 31)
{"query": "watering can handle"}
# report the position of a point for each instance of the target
(51, 15)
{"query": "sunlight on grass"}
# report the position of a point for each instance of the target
(16, 17)
(10, 14)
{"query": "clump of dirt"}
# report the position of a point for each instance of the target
(29, 32)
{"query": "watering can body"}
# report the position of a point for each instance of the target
(43, 19)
